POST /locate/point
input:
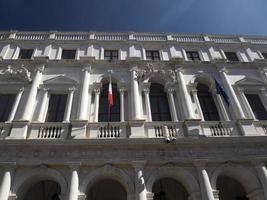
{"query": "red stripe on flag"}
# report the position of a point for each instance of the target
(110, 97)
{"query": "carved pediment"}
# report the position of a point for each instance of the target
(249, 81)
(60, 80)
(15, 74)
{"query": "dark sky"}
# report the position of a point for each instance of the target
(181, 16)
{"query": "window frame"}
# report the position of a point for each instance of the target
(26, 49)
(152, 55)
(111, 57)
(190, 51)
(233, 52)
(68, 49)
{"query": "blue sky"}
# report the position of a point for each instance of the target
(181, 16)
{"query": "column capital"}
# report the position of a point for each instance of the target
(40, 68)
(139, 164)
(72, 89)
(122, 90)
(21, 89)
(87, 68)
(44, 89)
(146, 87)
(223, 70)
(74, 165)
(258, 162)
(97, 87)
(179, 68)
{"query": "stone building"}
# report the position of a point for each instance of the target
(188, 120)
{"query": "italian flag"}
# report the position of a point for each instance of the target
(110, 97)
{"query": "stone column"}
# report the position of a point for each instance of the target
(222, 107)
(97, 93)
(199, 109)
(84, 94)
(44, 100)
(184, 94)
(139, 179)
(122, 115)
(262, 173)
(246, 103)
(15, 105)
(172, 104)
(234, 102)
(69, 105)
(6, 180)
(146, 89)
(204, 180)
(28, 108)
(135, 96)
(74, 181)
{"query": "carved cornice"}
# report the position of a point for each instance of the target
(20, 73)
(150, 69)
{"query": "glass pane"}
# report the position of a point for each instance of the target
(25, 53)
(257, 106)
(103, 105)
(6, 103)
(56, 107)
(68, 54)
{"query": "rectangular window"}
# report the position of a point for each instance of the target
(231, 56)
(257, 106)
(68, 54)
(111, 55)
(152, 55)
(25, 53)
(264, 55)
(6, 103)
(56, 107)
(192, 55)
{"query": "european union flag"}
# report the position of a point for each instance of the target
(221, 91)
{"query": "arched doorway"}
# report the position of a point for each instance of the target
(169, 189)
(43, 190)
(107, 189)
(230, 189)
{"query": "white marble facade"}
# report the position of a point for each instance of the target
(76, 154)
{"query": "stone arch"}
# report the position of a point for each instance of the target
(114, 78)
(107, 172)
(202, 78)
(26, 179)
(181, 175)
(239, 173)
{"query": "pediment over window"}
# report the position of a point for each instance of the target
(60, 80)
(249, 82)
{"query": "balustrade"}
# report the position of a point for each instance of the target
(164, 129)
(221, 39)
(218, 129)
(31, 36)
(150, 37)
(105, 130)
(111, 36)
(180, 38)
(71, 36)
(53, 130)
(261, 127)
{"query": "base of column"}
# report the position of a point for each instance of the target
(193, 127)
(78, 129)
(137, 128)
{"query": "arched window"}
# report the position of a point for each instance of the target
(159, 104)
(104, 114)
(208, 107)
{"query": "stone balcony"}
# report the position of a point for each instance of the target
(142, 129)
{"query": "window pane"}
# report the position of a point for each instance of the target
(56, 108)
(152, 55)
(6, 103)
(192, 55)
(68, 54)
(111, 54)
(103, 104)
(25, 53)
(159, 105)
(208, 106)
(264, 55)
(231, 56)
(257, 106)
